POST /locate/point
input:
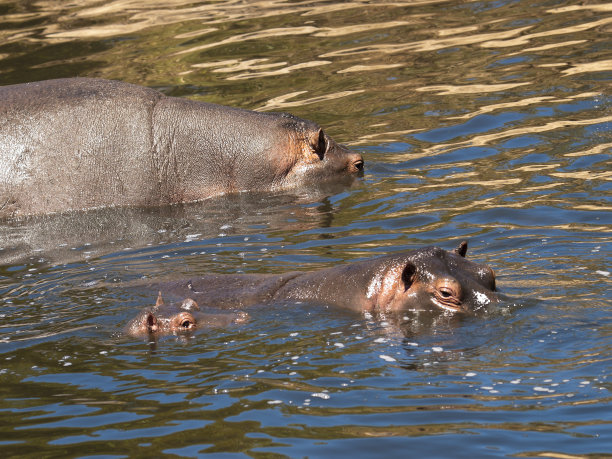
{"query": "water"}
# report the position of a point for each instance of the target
(487, 121)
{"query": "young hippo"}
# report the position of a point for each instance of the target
(430, 278)
(81, 143)
(166, 319)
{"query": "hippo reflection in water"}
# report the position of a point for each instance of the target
(427, 279)
(82, 143)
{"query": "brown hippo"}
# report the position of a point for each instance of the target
(430, 278)
(81, 143)
(164, 319)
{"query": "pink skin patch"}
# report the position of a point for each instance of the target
(384, 287)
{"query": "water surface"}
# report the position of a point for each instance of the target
(486, 121)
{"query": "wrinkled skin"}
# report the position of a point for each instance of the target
(80, 143)
(430, 278)
(174, 319)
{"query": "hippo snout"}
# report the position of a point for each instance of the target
(346, 161)
(468, 297)
(481, 300)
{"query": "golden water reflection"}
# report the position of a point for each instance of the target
(426, 45)
(271, 33)
(489, 139)
(521, 103)
(525, 39)
(600, 66)
(445, 90)
(283, 102)
(596, 150)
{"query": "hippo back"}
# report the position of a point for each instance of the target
(79, 142)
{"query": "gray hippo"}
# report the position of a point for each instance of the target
(427, 279)
(81, 143)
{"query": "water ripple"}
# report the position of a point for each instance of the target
(487, 121)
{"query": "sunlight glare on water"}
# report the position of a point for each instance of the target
(485, 121)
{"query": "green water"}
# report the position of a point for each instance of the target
(487, 121)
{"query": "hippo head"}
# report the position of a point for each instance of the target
(164, 319)
(314, 157)
(432, 279)
(222, 150)
(173, 319)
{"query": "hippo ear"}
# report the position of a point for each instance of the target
(462, 248)
(321, 146)
(160, 301)
(408, 275)
(151, 322)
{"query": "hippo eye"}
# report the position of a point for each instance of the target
(184, 321)
(448, 290)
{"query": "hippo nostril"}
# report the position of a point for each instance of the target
(356, 163)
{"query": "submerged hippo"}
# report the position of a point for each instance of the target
(425, 279)
(80, 143)
(164, 319)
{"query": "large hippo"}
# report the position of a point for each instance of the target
(81, 143)
(430, 278)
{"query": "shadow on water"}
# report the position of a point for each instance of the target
(81, 236)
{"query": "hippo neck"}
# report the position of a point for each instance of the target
(201, 150)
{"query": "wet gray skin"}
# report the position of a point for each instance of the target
(429, 279)
(174, 319)
(81, 143)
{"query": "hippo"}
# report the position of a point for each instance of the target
(83, 143)
(165, 319)
(426, 279)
